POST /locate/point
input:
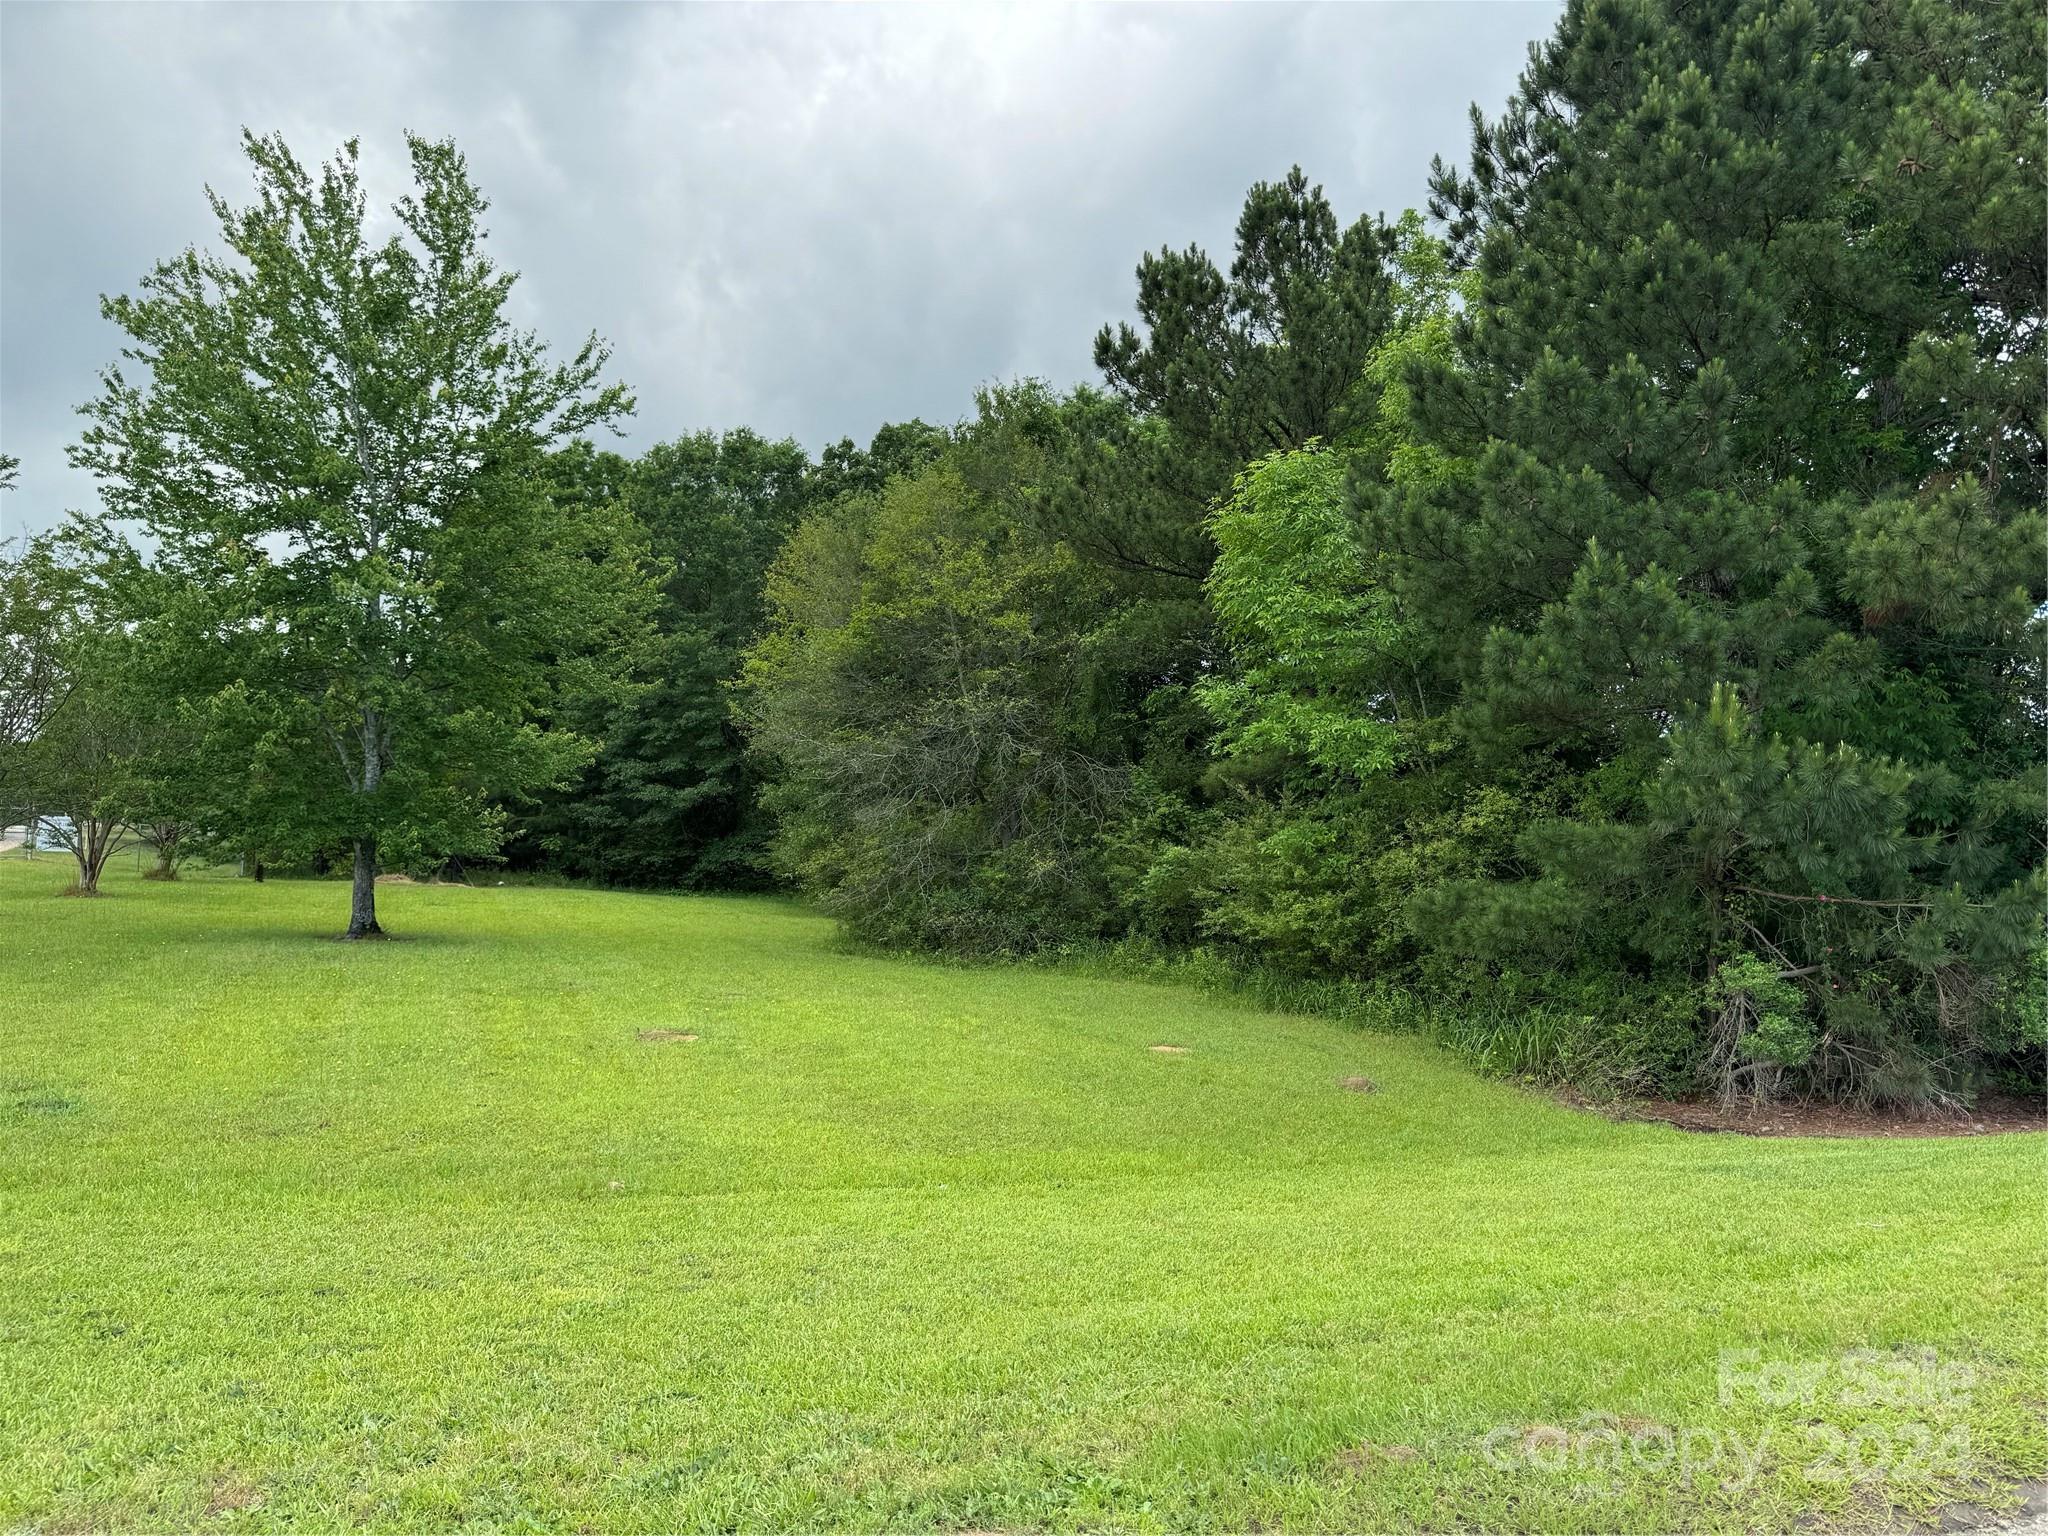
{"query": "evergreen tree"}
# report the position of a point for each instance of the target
(1742, 538)
(1226, 370)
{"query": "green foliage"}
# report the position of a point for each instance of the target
(1731, 515)
(1586, 606)
(83, 772)
(1226, 370)
(1265, 359)
(672, 796)
(1310, 635)
(363, 589)
(897, 448)
(1330, 797)
(38, 617)
(923, 692)
(1662, 599)
(1620, 620)
(1763, 1014)
(98, 760)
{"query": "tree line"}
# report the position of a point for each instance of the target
(1610, 607)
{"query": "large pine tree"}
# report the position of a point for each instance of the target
(1742, 553)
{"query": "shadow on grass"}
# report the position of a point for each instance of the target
(214, 935)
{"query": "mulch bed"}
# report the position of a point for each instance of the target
(1992, 1115)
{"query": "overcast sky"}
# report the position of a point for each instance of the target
(808, 220)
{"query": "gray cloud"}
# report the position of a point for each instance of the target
(809, 220)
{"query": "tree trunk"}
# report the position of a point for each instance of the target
(92, 844)
(362, 905)
(167, 837)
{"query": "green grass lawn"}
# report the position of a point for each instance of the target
(422, 1233)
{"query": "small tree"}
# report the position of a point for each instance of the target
(362, 590)
(171, 841)
(35, 619)
(165, 818)
(81, 770)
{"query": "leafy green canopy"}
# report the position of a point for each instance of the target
(36, 636)
(929, 694)
(671, 798)
(1324, 790)
(969, 670)
(1671, 666)
(1740, 551)
(360, 583)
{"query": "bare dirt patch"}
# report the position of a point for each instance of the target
(2030, 1519)
(666, 1036)
(1992, 1115)
(1361, 1458)
(232, 1493)
(1358, 1085)
(1168, 1050)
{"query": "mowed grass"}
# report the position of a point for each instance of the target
(422, 1234)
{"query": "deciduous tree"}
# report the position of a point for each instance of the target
(671, 798)
(336, 442)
